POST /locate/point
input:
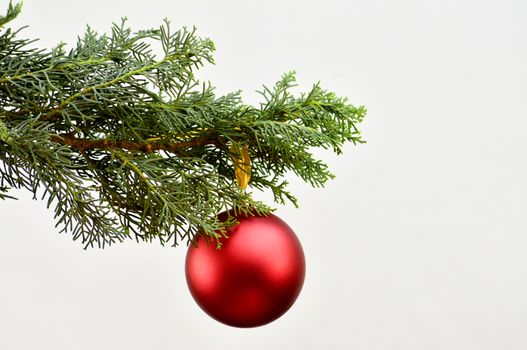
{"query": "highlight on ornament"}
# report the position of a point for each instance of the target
(122, 141)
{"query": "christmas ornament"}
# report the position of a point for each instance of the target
(254, 278)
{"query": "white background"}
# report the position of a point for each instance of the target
(419, 243)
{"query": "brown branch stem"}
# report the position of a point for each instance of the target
(84, 144)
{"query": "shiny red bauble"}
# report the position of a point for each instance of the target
(254, 278)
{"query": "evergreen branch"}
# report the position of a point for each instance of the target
(116, 80)
(12, 13)
(124, 143)
(91, 62)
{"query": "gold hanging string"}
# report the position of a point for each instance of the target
(242, 164)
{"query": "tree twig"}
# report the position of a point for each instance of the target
(84, 144)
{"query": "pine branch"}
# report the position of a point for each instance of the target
(11, 14)
(122, 141)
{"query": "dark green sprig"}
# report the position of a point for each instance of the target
(12, 12)
(120, 138)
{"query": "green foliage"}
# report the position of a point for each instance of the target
(12, 12)
(126, 143)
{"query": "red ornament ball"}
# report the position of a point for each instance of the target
(254, 278)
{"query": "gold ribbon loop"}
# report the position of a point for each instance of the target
(242, 164)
